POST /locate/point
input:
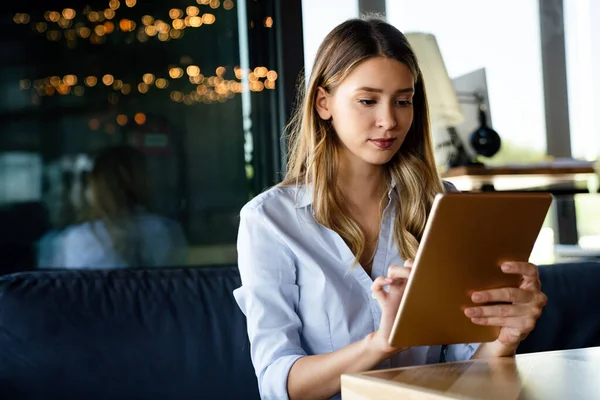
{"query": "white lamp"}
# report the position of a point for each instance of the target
(444, 107)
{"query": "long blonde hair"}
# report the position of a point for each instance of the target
(313, 145)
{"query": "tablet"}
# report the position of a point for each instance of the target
(466, 239)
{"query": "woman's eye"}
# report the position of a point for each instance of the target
(366, 102)
(404, 103)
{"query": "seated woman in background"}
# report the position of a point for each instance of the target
(317, 252)
(119, 231)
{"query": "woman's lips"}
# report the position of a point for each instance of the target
(383, 143)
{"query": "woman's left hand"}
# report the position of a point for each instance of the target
(524, 306)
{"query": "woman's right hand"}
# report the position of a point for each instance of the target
(389, 301)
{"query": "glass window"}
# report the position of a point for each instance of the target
(319, 18)
(133, 131)
(582, 37)
(504, 38)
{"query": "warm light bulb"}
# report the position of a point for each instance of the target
(70, 80)
(193, 70)
(69, 13)
(122, 119)
(161, 83)
(272, 76)
(91, 81)
(140, 118)
(192, 11)
(208, 19)
(108, 79)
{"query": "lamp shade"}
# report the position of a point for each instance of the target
(444, 107)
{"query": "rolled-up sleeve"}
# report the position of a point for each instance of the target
(460, 352)
(269, 298)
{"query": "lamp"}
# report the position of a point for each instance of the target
(444, 103)
(444, 107)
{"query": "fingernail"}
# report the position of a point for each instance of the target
(506, 267)
(469, 312)
(389, 280)
(477, 297)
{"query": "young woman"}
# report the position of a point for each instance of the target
(317, 251)
(119, 231)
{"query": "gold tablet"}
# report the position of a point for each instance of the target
(466, 239)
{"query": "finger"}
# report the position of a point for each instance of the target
(409, 262)
(377, 290)
(398, 272)
(527, 270)
(503, 310)
(530, 284)
(380, 282)
(524, 324)
(504, 295)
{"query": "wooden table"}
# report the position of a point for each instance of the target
(557, 375)
(577, 177)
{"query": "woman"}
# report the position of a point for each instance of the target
(119, 230)
(316, 252)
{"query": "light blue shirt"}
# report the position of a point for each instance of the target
(300, 293)
(156, 242)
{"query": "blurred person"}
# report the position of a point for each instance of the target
(118, 231)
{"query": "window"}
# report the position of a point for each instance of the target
(582, 37)
(180, 99)
(502, 37)
(319, 18)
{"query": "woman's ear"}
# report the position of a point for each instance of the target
(323, 104)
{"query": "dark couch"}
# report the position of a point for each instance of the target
(155, 334)
(571, 319)
(178, 333)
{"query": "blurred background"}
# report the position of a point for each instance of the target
(132, 132)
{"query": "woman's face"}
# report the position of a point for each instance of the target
(371, 110)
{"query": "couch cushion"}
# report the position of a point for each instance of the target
(139, 334)
(571, 319)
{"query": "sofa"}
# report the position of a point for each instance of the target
(177, 333)
(124, 334)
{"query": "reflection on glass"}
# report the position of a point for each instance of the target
(164, 78)
(117, 230)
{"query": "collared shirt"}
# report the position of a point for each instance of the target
(301, 293)
(155, 241)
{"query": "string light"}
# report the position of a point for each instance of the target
(91, 81)
(192, 11)
(122, 119)
(114, 4)
(108, 79)
(260, 78)
(21, 18)
(140, 118)
(95, 25)
(95, 33)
